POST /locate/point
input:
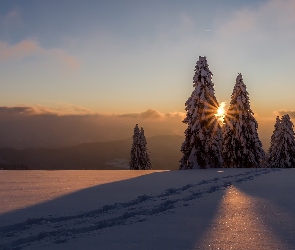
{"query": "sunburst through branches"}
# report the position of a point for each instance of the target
(220, 114)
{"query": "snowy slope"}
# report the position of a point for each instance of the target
(197, 209)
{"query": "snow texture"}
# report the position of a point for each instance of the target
(281, 153)
(209, 209)
(140, 159)
(241, 144)
(203, 136)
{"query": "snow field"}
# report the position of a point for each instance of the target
(150, 209)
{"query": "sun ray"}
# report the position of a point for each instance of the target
(220, 113)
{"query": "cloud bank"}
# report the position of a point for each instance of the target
(66, 125)
(154, 114)
(291, 113)
(74, 110)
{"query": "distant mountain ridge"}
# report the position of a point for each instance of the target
(164, 151)
(4, 165)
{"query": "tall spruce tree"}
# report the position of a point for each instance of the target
(273, 140)
(203, 136)
(241, 144)
(281, 153)
(139, 156)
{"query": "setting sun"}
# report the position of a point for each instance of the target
(221, 112)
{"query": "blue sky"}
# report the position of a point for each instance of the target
(131, 56)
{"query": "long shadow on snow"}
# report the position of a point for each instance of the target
(65, 218)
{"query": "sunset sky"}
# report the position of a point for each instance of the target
(124, 57)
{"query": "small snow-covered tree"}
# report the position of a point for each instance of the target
(241, 144)
(203, 136)
(139, 156)
(145, 162)
(135, 150)
(281, 153)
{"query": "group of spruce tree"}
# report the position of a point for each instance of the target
(234, 144)
(281, 153)
(140, 159)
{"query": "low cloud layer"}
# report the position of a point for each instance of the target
(154, 114)
(66, 125)
(68, 109)
(291, 113)
(62, 110)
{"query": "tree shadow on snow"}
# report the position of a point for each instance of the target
(164, 211)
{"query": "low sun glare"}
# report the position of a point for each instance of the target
(221, 112)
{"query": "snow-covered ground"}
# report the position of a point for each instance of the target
(193, 209)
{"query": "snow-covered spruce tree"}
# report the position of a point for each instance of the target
(241, 145)
(281, 153)
(135, 150)
(139, 156)
(203, 136)
(145, 162)
(273, 140)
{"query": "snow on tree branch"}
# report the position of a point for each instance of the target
(203, 136)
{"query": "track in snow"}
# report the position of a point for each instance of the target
(61, 229)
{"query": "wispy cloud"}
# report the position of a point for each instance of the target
(272, 15)
(28, 48)
(242, 21)
(11, 17)
(63, 57)
(13, 13)
(18, 51)
(186, 20)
